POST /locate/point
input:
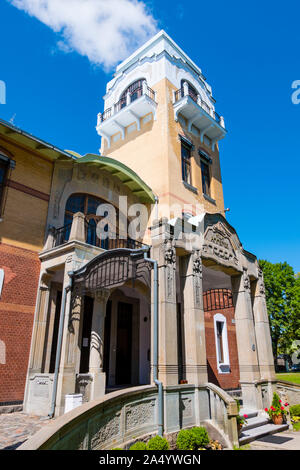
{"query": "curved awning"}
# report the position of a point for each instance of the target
(128, 177)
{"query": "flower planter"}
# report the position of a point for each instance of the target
(277, 419)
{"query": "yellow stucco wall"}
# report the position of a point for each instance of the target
(25, 215)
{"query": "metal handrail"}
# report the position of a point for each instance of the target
(217, 299)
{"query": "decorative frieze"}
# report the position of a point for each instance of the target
(217, 245)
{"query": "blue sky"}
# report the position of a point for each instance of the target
(249, 53)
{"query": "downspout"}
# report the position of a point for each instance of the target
(59, 344)
(155, 348)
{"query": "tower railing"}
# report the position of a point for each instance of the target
(217, 299)
(126, 101)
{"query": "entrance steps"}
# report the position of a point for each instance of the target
(258, 426)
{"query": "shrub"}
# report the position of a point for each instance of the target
(201, 436)
(158, 443)
(295, 410)
(138, 446)
(186, 440)
(277, 408)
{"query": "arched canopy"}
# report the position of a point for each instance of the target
(128, 177)
(112, 269)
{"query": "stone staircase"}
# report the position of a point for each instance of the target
(257, 426)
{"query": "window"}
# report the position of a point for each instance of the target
(186, 163)
(87, 205)
(4, 166)
(135, 90)
(221, 341)
(205, 178)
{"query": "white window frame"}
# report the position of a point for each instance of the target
(223, 367)
(1, 280)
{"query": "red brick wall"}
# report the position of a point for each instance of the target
(230, 380)
(17, 304)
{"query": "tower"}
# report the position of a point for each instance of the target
(159, 119)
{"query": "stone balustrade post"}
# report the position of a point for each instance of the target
(78, 228)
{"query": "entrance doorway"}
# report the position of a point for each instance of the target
(124, 343)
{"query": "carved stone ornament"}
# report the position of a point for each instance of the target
(217, 245)
(170, 253)
(261, 283)
(246, 279)
(197, 263)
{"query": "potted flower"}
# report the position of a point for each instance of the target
(277, 410)
(241, 420)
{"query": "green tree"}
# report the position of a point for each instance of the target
(283, 303)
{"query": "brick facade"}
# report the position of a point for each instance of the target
(17, 303)
(224, 380)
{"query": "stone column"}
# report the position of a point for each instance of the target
(246, 341)
(263, 335)
(40, 323)
(163, 251)
(97, 345)
(70, 347)
(194, 326)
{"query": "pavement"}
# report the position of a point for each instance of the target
(16, 428)
(288, 440)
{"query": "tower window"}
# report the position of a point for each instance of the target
(186, 163)
(205, 178)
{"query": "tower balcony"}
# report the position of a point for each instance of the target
(127, 111)
(197, 113)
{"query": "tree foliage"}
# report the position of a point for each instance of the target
(283, 303)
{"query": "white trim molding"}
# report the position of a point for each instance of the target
(1, 280)
(223, 366)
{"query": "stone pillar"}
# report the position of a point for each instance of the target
(78, 228)
(70, 346)
(185, 89)
(163, 251)
(263, 335)
(246, 341)
(97, 345)
(194, 326)
(128, 98)
(145, 88)
(40, 324)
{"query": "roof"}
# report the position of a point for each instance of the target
(21, 137)
(128, 177)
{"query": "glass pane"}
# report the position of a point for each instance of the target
(93, 204)
(75, 203)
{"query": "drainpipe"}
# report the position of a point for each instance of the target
(155, 349)
(59, 344)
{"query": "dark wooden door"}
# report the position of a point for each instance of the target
(86, 334)
(124, 344)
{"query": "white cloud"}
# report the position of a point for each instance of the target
(106, 31)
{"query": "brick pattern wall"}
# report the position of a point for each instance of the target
(229, 380)
(17, 304)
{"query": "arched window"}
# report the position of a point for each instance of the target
(135, 90)
(88, 206)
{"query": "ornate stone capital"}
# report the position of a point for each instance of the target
(102, 295)
(169, 252)
(246, 279)
(261, 283)
(197, 263)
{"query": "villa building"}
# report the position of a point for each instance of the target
(177, 301)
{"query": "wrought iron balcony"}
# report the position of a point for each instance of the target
(129, 110)
(198, 113)
(217, 299)
(59, 236)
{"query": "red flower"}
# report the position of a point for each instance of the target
(286, 404)
(266, 409)
(272, 408)
(282, 408)
(279, 401)
(245, 416)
